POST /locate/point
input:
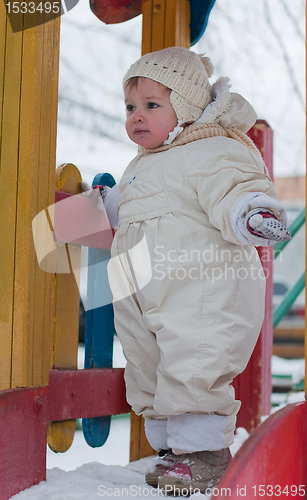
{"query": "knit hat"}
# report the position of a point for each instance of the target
(184, 72)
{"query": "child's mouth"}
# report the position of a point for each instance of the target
(140, 132)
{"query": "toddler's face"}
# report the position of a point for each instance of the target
(150, 115)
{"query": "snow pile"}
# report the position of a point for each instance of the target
(96, 480)
(90, 481)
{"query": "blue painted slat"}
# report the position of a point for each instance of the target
(99, 327)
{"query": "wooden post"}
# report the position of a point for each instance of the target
(165, 24)
(28, 99)
(29, 61)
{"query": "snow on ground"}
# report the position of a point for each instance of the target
(84, 473)
(96, 477)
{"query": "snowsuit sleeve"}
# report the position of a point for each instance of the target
(225, 180)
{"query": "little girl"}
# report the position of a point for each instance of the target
(187, 282)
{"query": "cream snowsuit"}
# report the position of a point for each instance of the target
(196, 301)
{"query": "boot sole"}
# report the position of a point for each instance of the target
(152, 478)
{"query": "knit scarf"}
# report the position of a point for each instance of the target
(199, 131)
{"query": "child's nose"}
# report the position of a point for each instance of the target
(137, 116)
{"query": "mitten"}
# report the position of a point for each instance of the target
(104, 190)
(265, 224)
(95, 194)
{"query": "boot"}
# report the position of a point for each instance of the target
(195, 472)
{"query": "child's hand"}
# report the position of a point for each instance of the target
(96, 193)
(265, 224)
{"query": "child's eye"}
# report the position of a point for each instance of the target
(129, 108)
(152, 105)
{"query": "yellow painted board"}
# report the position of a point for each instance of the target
(139, 446)
(67, 319)
(146, 26)
(158, 25)
(3, 28)
(65, 349)
(185, 40)
(171, 23)
(50, 305)
(60, 435)
(43, 323)
(41, 203)
(165, 24)
(68, 179)
(8, 194)
(25, 285)
(135, 424)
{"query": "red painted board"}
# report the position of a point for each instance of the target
(94, 392)
(272, 463)
(116, 11)
(78, 221)
(23, 435)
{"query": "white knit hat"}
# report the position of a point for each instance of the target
(184, 72)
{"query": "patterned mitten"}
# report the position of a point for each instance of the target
(96, 193)
(265, 224)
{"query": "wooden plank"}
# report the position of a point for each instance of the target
(135, 431)
(52, 38)
(86, 393)
(43, 322)
(289, 351)
(42, 279)
(294, 333)
(184, 37)
(267, 459)
(158, 25)
(177, 29)
(65, 337)
(146, 26)
(165, 24)
(139, 446)
(25, 260)
(99, 336)
(65, 350)
(10, 95)
(23, 416)
(3, 34)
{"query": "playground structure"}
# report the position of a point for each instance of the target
(41, 390)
